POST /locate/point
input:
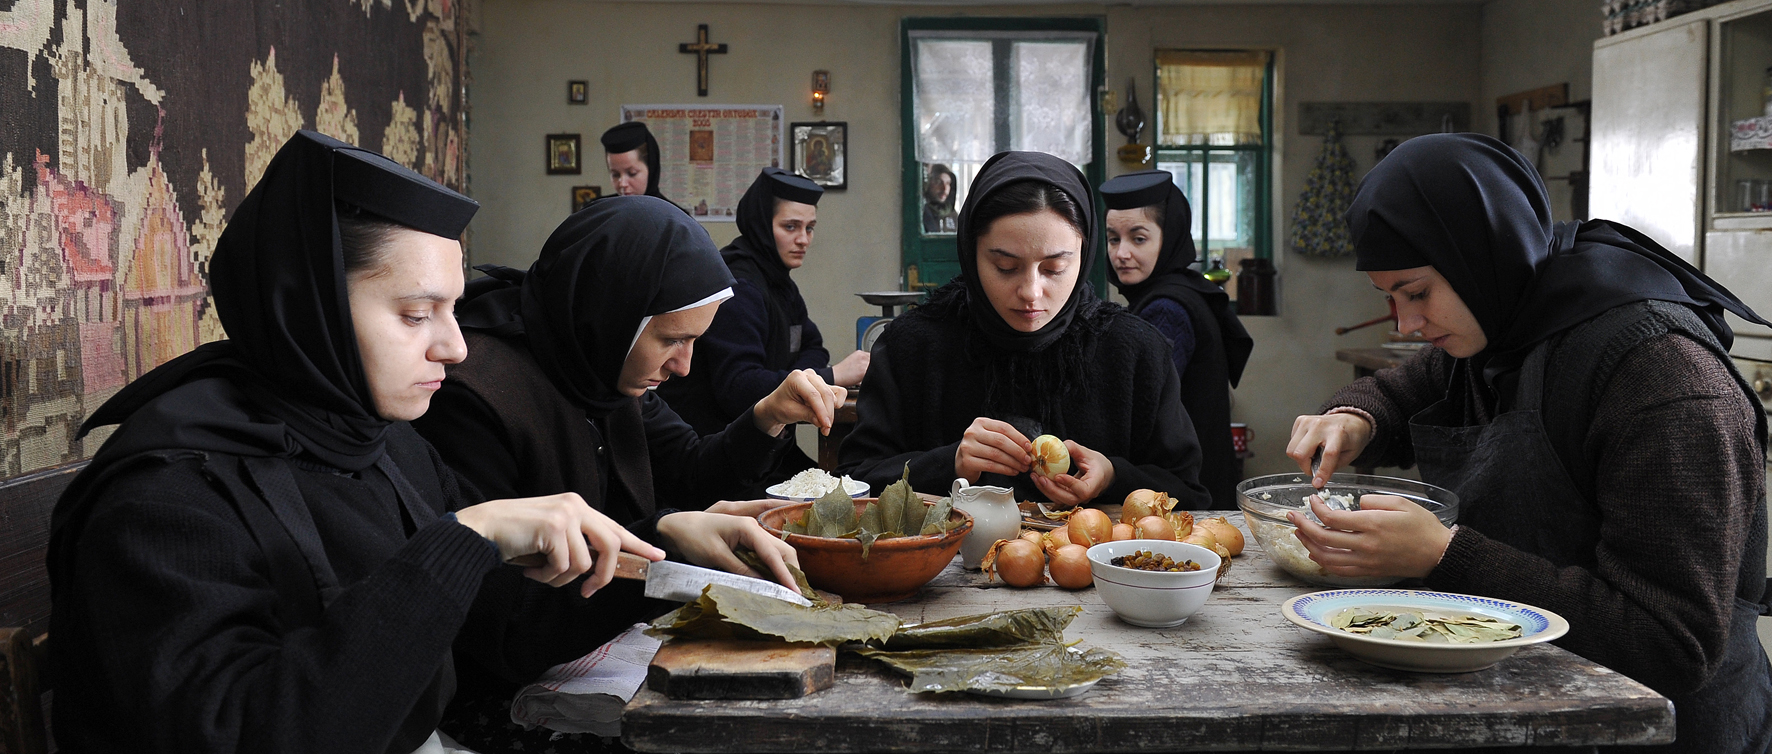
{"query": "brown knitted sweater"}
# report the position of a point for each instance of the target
(1678, 479)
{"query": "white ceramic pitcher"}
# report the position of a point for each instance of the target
(994, 517)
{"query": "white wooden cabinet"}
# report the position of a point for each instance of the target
(1665, 98)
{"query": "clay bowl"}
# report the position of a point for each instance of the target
(894, 570)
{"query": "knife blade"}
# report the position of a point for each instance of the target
(681, 582)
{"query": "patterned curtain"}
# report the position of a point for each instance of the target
(1211, 98)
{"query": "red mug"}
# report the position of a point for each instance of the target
(1240, 436)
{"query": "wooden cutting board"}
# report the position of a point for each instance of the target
(739, 669)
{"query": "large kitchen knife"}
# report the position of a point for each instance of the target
(681, 582)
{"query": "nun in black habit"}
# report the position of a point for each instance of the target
(1150, 244)
(763, 335)
(1017, 346)
(556, 396)
(632, 156)
(264, 556)
(1579, 398)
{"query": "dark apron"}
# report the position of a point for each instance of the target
(1498, 467)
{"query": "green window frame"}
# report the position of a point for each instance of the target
(1255, 160)
(929, 260)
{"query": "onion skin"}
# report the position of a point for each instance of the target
(1122, 532)
(1154, 527)
(1226, 533)
(1070, 567)
(1090, 527)
(1182, 522)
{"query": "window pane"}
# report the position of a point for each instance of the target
(1186, 169)
(1210, 98)
(1050, 110)
(954, 100)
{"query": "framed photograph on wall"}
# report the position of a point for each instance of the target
(563, 154)
(578, 92)
(582, 195)
(820, 153)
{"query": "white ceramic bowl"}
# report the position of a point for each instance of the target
(856, 488)
(1313, 611)
(1154, 599)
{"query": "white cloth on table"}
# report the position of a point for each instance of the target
(441, 743)
(587, 695)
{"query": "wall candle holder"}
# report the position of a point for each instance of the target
(821, 86)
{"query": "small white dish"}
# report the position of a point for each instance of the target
(1313, 612)
(855, 488)
(1153, 599)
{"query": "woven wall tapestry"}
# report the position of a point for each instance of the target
(130, 129)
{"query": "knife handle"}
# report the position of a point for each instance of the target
(627, 564)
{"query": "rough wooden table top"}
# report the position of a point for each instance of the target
(1235, 677)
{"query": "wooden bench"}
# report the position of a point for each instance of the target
(26, 504)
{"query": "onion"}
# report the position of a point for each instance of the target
(1121, 533)
(1019, 562)
(1051, 457)
(1226, 533)
(1070, 567)
(1090, 527)
(1155, 527)
(1037, 538)
(1055, 539)
(1224, 561)
(1143, 503)
(1201, 536)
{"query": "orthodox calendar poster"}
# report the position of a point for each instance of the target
(710, 154)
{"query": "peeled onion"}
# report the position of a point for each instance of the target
(1090, 527)
(1154, 527)
(1070, 567)
(1121, 533)
(1051, 457)
(1226, 533)
(1143, 503)
(1018, 561)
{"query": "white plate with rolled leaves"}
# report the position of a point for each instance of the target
(1425, 631)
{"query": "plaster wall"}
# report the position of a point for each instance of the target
(526, 50)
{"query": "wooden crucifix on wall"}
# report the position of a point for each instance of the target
(701, 48)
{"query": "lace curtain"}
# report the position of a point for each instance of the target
(955, 107)
(1210, 98)
(955, 98)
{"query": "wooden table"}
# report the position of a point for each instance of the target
(1237, 676)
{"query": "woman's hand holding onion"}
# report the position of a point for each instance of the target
(1387, 536)
(1094, 472)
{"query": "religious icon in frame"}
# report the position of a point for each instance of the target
(563, 154)
(582, 195)
(820, 153)
(578, 92)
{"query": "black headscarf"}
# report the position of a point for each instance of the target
(601, 276)
(630, 136)
(1000, 170)
(1475, 210)
(753, 255)
(1171, 275)
(278, 280)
